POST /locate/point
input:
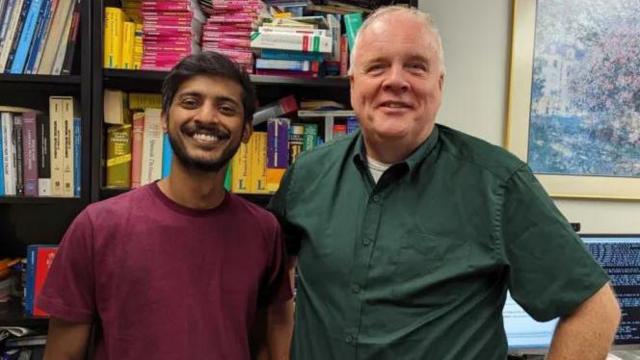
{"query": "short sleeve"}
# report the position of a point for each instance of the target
(279, 285)
(278, 206)
(68, 292)
(551, 272)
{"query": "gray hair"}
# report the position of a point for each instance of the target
(424, 17)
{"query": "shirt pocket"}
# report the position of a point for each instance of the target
(426, 260)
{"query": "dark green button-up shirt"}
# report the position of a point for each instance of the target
(417, 266)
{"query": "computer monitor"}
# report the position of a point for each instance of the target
(619, 255)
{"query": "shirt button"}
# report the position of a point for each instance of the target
(356, 288)
(349, 339)
(376, 198)
(366, 241)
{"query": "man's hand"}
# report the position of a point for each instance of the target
(588, 333)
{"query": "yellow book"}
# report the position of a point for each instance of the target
(56, 144)
(119, 156)
(113, 23)
(259, 163)
(240, 172)
(69, 110)
(138, 48)
(116, 108)
(128, 42)
(145, 100)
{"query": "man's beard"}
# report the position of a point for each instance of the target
(203, 165)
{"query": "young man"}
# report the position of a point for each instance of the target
(409, 234)
(180, 268)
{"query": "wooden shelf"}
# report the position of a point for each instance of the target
(36, 200)
(41, 79)
(113, 77)
(12, 314)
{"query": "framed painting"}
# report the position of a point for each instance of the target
(574, 95)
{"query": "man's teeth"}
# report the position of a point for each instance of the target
(205, 137)
(394, 105)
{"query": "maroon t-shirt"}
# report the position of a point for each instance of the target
(165, 281)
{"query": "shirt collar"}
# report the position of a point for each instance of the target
(418, 155)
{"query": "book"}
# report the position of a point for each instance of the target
(44, 155)
(30, 154)
(281, 107)
(167, 155)
(113, 24)
(296, 133)
(139, 101)
(128, 43)
(116, 108)
(72, 41)
(39, 260)
(69, 112)
(54, 37)
(309, 137)
(151, 147)
(258, 148)
(240, 174)
(291, 41)
(26, 36)
(119, 156)
(38, 35)
(1, 163)
(10, 34)
(77, 156)
(19, 161)
(278, 143)
(136, 148)
(8, 154)
(58, 59)
(56, 145)
(352, 23)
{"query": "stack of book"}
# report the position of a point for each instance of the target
(41, 154)
(122, 38)
(137, 150)
(38, 36)
(172, 30)
(228, 28)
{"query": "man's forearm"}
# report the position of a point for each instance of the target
(588, 333)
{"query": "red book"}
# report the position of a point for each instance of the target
(39, 260)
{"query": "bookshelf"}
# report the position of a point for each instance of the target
(25, 220)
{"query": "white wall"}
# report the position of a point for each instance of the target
(476, 36)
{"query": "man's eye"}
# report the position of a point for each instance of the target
(418, 67)
(189, 103)
(375, 69)
(227, 110)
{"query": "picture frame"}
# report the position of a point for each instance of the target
(572, 119)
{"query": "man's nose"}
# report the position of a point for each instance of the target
(396, 80)
(207, 114)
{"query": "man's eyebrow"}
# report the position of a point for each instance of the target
(218, 99)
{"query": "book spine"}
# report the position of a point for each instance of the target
(29, 285)
(113, 37)
(274, 54)
(291, 41)
(296, 134)
(259, 162)
(72, 41)
(352, 23)
(344, 56)
(25, 37)
(44, 156)
(167, 155)
(128, 43)
(151, 147)
(30, 154)
(1, 161)
(119, 156)
(67, 149)
(278, 143)
(240, 174)
(45, 36)
(19, 164)
(37, 36)
(44, 258)
(8, 149)
(10, 34)
(77, 156)
(143, 100)
(16, 39)
(6, 19)
(283, 65)
(56, 143)
(58, 60)
(310, 136)
(136, 148)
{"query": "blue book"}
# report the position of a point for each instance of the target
(273, 54)
(38, 35)
(29, 284)
(6, 19)
(16, 37)
(167, 155)
(1, 167)
(77, 156)
(25, 37)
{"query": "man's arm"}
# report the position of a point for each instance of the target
(588, 332)
(66, 340)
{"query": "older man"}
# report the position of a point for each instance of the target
(409, 234)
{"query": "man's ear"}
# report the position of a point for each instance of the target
(247, 130)
(441, 82)
(165, 122)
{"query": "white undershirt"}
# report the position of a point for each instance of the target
(376, 168)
